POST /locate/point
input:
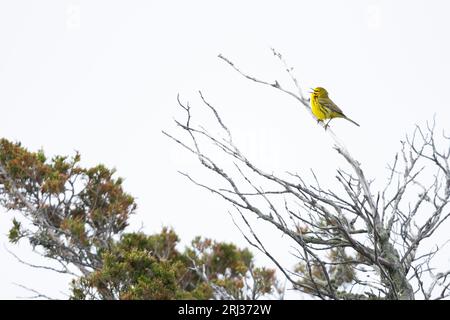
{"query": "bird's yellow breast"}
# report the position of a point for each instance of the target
(316, 108)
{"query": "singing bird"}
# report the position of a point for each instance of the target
(324, 108)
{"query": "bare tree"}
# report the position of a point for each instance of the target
(351, 243)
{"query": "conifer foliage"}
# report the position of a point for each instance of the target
(77, 217)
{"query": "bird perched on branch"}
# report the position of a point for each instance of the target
(324, 108)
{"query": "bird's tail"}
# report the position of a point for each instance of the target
(351, 121)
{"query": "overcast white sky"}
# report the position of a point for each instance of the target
(101, 77)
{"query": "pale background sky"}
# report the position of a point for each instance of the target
(101, 77)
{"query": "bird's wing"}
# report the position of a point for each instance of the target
(327, 102)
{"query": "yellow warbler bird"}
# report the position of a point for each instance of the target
(324, 108)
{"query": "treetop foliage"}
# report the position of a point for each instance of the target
(77, 216)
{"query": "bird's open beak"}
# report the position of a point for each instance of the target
(311, 90)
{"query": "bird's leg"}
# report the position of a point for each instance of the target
(326, 124)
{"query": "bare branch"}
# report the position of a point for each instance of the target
(340, 235)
